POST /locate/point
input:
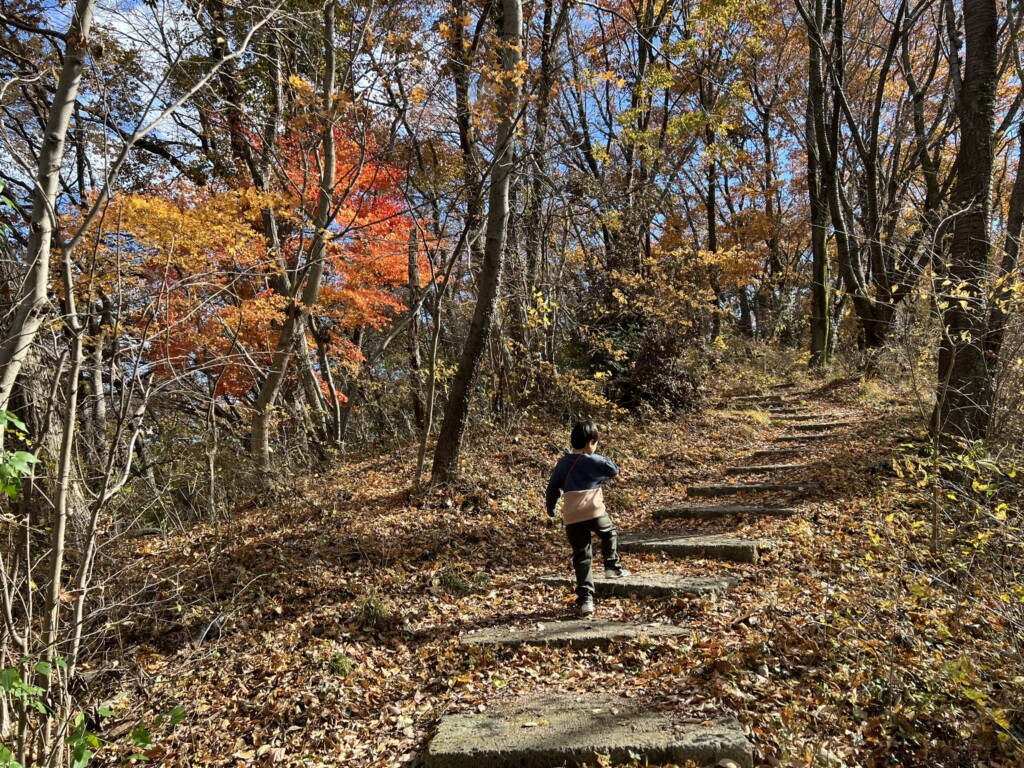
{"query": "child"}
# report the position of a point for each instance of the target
(578, 475)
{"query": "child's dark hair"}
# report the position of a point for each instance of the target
(583, 433)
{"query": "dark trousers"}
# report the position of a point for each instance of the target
(582, 553)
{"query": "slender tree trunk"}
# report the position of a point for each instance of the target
(707, 102)
(836, 311)
(964, 391)
(830, 140)
(819, 209)
(351, 393)
(64, 482)
(746, 315)
(449, 444)
(413, 338)
(539, 158)
(295, 322)
(65, 509)
(316, 402)
(95, 422)
(32, 298)
(428, 423)
(536, 192)
(462, 66)
(323, 357)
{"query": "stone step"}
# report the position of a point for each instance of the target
(711, 547)
(711, 513)
(565, 729)
(821, 425)
(574, 633)
(783, 410)
(803, 438)
(756, 398)
(762, 469)
(796, 417)
(652, 585)
(777, 453)
(729, 490)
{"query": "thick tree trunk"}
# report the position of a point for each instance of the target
(964, 392)
(449, 443)
(1002, 293)
(32, 298)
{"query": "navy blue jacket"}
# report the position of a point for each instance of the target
(589, 470)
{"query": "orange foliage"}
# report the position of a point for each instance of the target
(206, 292)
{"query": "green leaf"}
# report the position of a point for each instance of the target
(9, 419)
(978, 697)
(177, 715)
(1002, 719)
(21, 462)
(43, 668)
(81, 758)
(106, 712)
(9, 678)
(7, 758)
(141, 738)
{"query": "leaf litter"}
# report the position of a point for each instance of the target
(322, 627)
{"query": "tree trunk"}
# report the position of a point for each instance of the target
(413, 339)
(964, 392)
(830, 140)
(536, 191)
(351, 393)
(462, 66)
(836, 312)
(819, 209)
(449, 444)
(746, 313)
(316, 401)
(32, 298)
(295, 322)
(1002, 293)
(322, 339)
(707, 103)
